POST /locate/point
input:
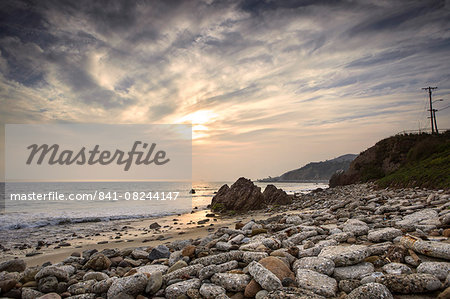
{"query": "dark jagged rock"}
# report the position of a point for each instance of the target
(243, 195)
(274, 196)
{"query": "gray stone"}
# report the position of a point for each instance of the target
(248, 257)
(224, 246)
(139, 253)
(439, 269)
(15, 265)
(353, 272)
(211, 291)
(101, 287)
(356, 227)
(28, 293)
(181, 288)
(62, 274)
(318, 264)
(266, 279)
(396, 268)
(183, 272)
(345, 255)
(384, 234)
(410, 283)
(178, 265)
(318, 283)
(159, 252)
(81, 287)
(175, 257)
(130, 285)
(210, 270)
(370, 291)
(48, 284)
(219, 258)
(410, 221)
(95, 275)
(349, 285)
(231, 282)
(154, 283)
(153, 269)
(261, 294)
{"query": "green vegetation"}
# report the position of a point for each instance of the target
(217, 207)
(427, 165)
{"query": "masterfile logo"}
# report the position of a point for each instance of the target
(98, 152)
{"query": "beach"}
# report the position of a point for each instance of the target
(331, 243)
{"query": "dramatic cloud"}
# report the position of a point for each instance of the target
(268, 85)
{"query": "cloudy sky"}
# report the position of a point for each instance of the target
(268, 85)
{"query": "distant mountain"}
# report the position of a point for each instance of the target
(315, 170)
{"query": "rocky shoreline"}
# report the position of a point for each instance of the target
(345, 242)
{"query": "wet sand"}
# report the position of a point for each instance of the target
(65, 239)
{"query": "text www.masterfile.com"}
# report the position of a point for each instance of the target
(95, 195)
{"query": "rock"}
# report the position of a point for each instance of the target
(159, 252)
(181, 288)
(410, 283)
(396, 268)
(130, 285)
(139, 253)
(349, 285)
(356, 227)
(81, 287)
(102, 286)
(445, 294)
(371, 291)
(219, 258)
(188, 251)
(345, 255)
(211, 291)
(210, 270)
(154, 225)
(274, 196)
(50, 296)
(248, 257)
(231, 282)
(15, 265)
(429, 248)
(261, 294)
(353, 272)
(182, 273)
(154, 283)
(48, 284)
(318, 264)
(151, 269)
(410, 221)
(242, 196)
(178, 265)
(98, 262)
(318, 283)
(61, 274)
(265, 278)
(384, 234)
(438, 269)
(7, 285)
(28, 293)
(277, 267)
(252, 288)
(95, 276)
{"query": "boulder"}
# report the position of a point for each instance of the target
(265, 278)
(410, 283)
(369, 291)
(274, 196)
(318, 283)
(179, 289)
(345, 255)
(130, 285)
(15, 265)
(242, 196)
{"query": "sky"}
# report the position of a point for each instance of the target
(268, 86)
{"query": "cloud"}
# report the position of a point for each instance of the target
(278, 74)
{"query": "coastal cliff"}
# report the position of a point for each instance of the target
(410, 160)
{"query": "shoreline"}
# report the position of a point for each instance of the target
(132, 232)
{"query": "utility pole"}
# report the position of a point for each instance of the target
(429, 88)
(435, 124)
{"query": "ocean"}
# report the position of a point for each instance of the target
(113, 201)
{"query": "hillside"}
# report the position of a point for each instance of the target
(315, 170)
(411, 160)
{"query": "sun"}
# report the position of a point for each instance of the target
(200, 121)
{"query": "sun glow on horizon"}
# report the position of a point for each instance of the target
(200, 121)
